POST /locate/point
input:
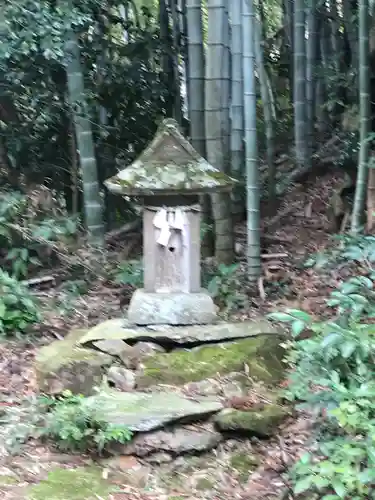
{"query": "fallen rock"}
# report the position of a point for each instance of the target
(121, 378)
(121, 329)
(186, 439)
(261, 422)
(142, 412)
(114, 347)
(62, 365)
(263, 355)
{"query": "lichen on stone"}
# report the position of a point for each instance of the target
(169, 165)
(260, 422)
(262, 354)
(63, 365)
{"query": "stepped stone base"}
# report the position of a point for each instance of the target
(171, 308)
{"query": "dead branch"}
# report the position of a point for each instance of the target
(43, 280)
(129, 227)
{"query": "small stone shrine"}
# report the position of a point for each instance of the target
(168, 177)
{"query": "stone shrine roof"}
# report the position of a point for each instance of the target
(169, 165)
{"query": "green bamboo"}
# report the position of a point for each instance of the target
(364, 118)
(217, 121)
(237, 113)
(252, 169)
(300, 112)
(196, 101)
(93, 204)
(312, 24)
(267, 111)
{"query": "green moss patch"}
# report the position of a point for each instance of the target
(262, 354)
(8, 480)
(71, 484)
(243, 463)
(203, 483)
(62, 365)
(262, 422)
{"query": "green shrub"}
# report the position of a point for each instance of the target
(225, 286)
(129, 273)
(70, 423)
(332, 374)
(18, 308)
(67, 422)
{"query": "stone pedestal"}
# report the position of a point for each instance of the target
(173, 308)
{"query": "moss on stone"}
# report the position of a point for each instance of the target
(260, 422)
(8, 480)
(62, 365)
(203, 483)
(263, 355)
(169, 165)
(71, 484)
(244, 464)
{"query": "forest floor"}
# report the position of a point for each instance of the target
(301, 232)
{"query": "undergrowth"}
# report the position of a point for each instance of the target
(332, 375)
(27, 235)
(224, 283)
(69, 422)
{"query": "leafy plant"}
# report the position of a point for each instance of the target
(225, 288)
(68, 421)
(18, 308)
(130, 273)
(332, 375)
(72, 424)
(20, 260)
(354, 299)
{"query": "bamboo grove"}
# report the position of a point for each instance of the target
(85, 84)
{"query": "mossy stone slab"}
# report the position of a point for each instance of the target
(169, 165)
(62, 365)
(142, 412)
(260, 422)
(85, 483)
(262, 354)
(120, 329)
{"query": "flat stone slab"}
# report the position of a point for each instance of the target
(171, 308)
(65, 365)
(121, 329)
(142, 412)
(180, 440)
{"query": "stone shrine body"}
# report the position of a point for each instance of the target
(168, 177)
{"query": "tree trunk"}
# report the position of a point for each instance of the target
(371, 198)
(167, 62)
(237, 122)
(364, 116)
(267, 112)
(216, 121)
(93, 205)
(252, 171)
(302, 154)
(311, 65)
(177, 108)
(288, 6)
(196, 85)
